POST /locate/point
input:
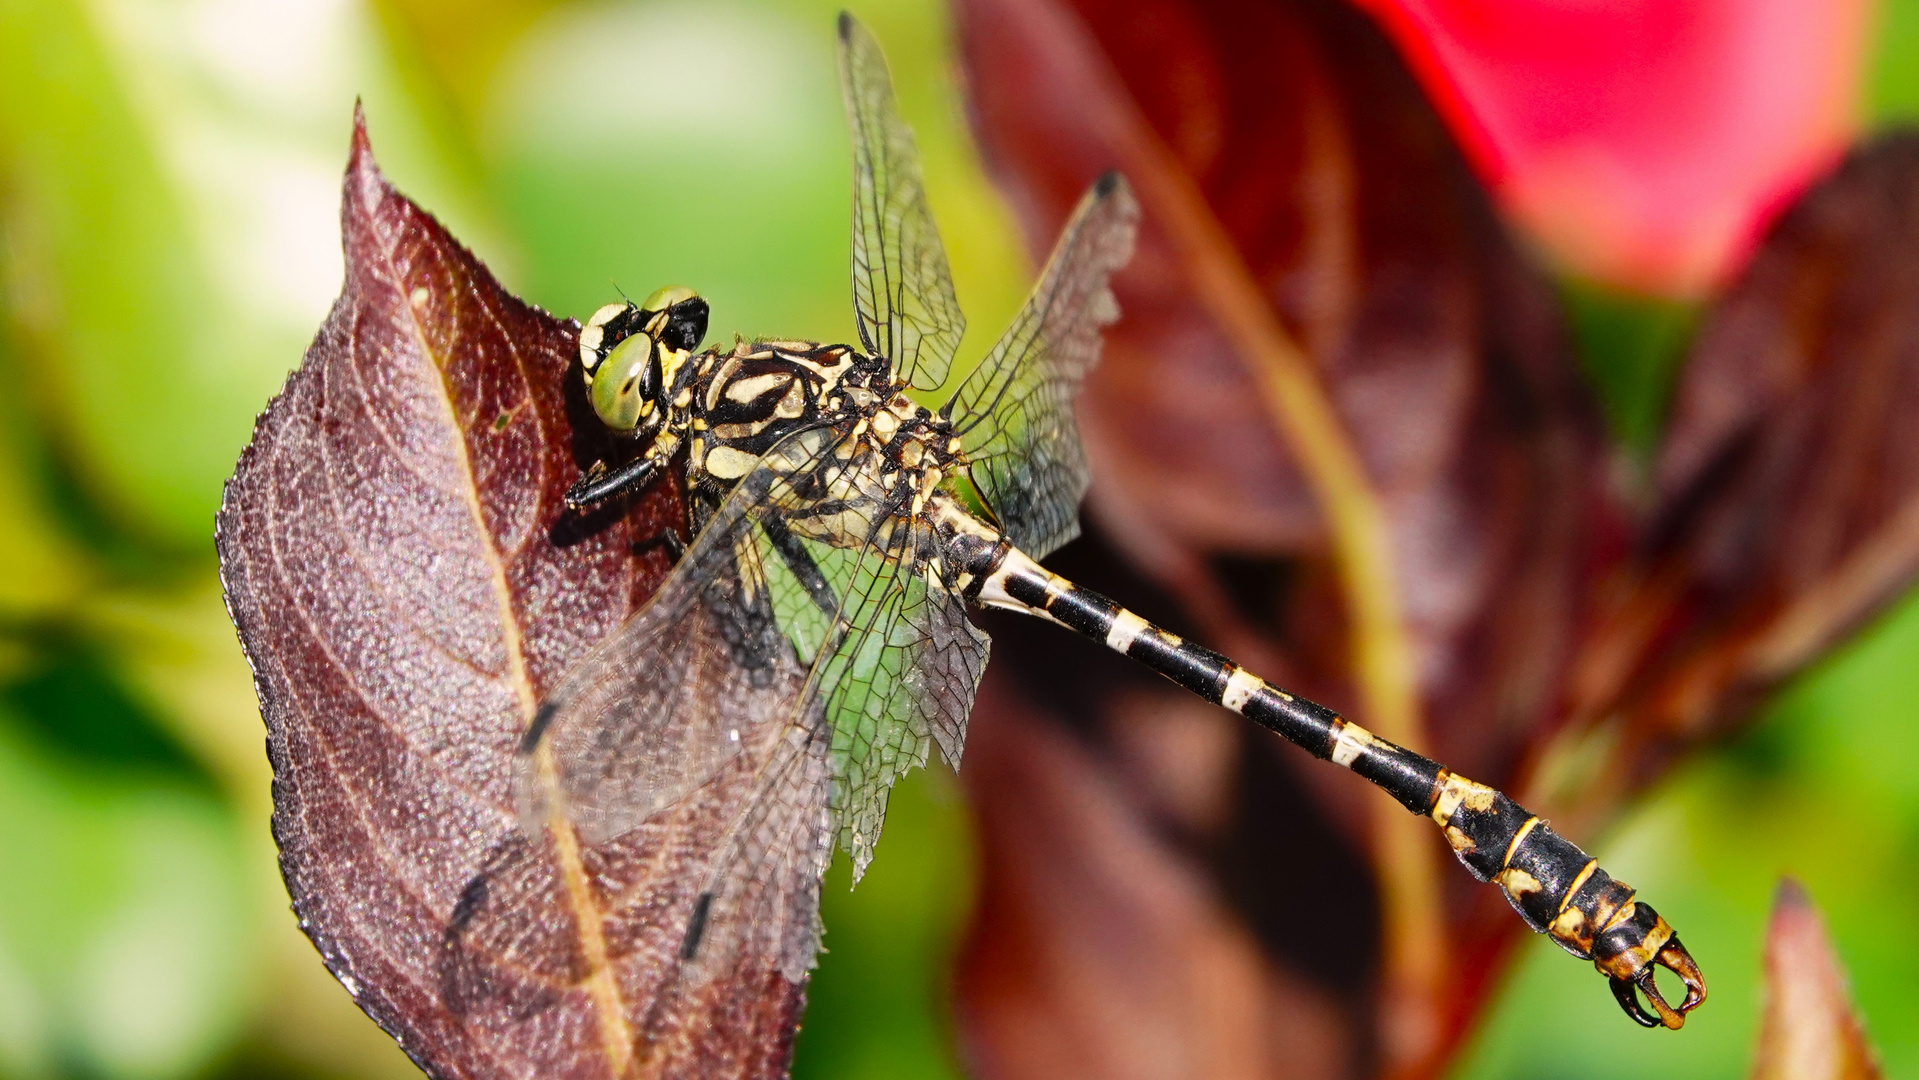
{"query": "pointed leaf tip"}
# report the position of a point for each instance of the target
(364, 184)
(1810, 1030)
(1789, 898)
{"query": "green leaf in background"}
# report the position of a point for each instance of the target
(880, 1005)
(171, 236)
(42, 573)
(639, 145)
(122, 950)
(106, 293)
(685, 143)
(1892, 86)
(1630, 347)
(169, 240)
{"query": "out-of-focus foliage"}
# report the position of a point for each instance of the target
(1821, 788)
(169, 207)
(168, 243)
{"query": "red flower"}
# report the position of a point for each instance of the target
(1643, 142)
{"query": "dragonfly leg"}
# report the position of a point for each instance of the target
(600, 483)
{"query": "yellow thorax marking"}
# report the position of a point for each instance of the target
(745, 391)
(671, 361)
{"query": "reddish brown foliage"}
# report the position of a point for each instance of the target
(1809, 1031)
(1547, 611)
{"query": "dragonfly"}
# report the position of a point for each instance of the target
(815, 631)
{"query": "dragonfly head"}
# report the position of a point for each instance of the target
(630, 352)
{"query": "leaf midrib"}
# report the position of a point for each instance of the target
(609, 1007)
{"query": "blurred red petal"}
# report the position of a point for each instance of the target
(1644, 142)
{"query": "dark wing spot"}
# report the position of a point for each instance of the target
(538, 727)
(696, 927)
(472, 899)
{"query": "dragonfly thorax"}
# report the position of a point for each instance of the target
(727, 409)
(874, 451)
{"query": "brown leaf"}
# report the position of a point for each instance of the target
(1789, 480)
(1102, 948)
(1809, 1030)
(1442, 348)
(407, 585)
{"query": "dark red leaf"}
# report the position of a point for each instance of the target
(1103, 947)
(1441, 347)
(1809, 1030)
(1788, 482)
(407, 586)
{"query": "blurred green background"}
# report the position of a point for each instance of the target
(169, 176)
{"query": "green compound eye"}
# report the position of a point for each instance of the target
(623, 384)
(593, 333)
(667, 297)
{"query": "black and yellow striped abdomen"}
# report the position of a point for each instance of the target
(1557, 888)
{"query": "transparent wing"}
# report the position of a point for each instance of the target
(749, 669)
(737, 685)
(667, 700)
(1014, 413)
(901, 680)
(700, 905)
(902, 286)
(761, 896)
